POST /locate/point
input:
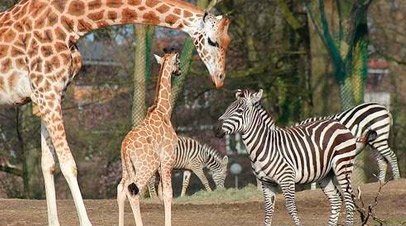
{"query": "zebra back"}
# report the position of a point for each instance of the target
(363, 117)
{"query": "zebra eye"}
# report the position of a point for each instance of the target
(212, 43)
(239, 110)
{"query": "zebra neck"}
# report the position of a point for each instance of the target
(258, 134)
(211, 157)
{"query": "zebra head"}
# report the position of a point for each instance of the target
(239, 115)
(219, 175)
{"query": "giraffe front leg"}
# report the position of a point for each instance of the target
(52, 119)
(269, 191)
(48, 169)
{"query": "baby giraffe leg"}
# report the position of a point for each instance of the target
(135, 206)
(166, 178)
(121, 194)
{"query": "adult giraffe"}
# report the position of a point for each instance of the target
(38, 58)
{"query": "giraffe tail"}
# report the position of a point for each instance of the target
(129, 169)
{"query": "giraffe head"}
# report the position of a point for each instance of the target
(211, 40)
(170, 61)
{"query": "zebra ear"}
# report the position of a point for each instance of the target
(256, 97)
(225, 160)
(238, 94)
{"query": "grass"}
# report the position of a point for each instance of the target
(218, 196)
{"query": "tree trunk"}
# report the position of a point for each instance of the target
(140, 59)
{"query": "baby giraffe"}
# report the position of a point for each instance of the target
(150, 146)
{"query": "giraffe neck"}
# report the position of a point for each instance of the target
(163, 95)
(83, 16)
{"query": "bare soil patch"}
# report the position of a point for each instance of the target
(313, 209)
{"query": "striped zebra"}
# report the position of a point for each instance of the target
(192, 156)
(321, 151)
(379, 119)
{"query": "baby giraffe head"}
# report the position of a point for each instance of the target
(169, 62)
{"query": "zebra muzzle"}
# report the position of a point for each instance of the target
(218, 131)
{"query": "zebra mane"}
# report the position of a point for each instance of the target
(264, 112)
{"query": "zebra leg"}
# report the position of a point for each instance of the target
(259, 184)
(151, 187)
(333, 195)
(185, 184)
(343, 177)
(382, 165)
(200, 174)
(384, 151)
(288, 190)
(269, 191)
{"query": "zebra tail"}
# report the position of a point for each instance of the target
(368, 136)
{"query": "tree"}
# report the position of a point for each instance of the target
(346, 38)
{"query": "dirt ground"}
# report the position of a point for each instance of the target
(312, 206)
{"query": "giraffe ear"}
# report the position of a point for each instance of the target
(158, 59)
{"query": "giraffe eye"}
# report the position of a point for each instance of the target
(212, 43)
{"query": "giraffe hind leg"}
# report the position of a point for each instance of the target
(53, 122)
(135, 185)
(48, 167)
(121, 195)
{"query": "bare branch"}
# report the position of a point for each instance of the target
(367, 212)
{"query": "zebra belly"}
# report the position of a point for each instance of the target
(312, 172)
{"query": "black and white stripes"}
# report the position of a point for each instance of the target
(370, 116)
(318, 151)
(190, 155)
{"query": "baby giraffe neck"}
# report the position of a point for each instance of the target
(163, 92)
